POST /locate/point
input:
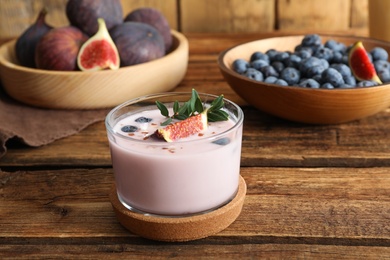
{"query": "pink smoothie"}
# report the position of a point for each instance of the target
(191, 175)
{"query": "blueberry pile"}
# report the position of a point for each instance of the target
(312, 64)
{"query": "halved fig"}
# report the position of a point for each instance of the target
(99, 52)
(361, 65)
(185, 128)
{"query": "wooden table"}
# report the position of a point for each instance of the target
(313, 191)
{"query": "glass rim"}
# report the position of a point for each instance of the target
(109, 127)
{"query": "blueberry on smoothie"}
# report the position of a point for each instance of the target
(222, 141)
(129, 128)
(143, 119)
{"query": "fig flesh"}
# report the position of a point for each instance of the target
(361, 65)
(58, 49)
(137, 43)
(190, 126)
(84, 14)
(154, 18)
(28, 40)
(98, 52)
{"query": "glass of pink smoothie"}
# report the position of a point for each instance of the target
(189, 176)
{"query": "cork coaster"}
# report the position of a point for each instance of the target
(178, 229)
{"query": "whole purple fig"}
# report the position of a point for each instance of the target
(85, 13)
(137, 43)
(154, 18)
(58, 49)
(27, 41)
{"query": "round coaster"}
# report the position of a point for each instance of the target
(177, 229)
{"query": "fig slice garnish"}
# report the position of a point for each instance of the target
(192, 117)
(361, 65)
(99, 52)
(190, 126)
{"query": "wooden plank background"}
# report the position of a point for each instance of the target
(210, 16)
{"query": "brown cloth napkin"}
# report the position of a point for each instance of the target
(37, 126)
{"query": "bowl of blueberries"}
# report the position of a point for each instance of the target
(309, 78)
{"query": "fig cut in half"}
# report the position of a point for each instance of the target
(185, 128)
(360, 64)
(99, 52)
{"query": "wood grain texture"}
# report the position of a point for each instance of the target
(325, 209)
(209, 16)
(168, 8)
(228, 16)
(359, 14)
(313, 15)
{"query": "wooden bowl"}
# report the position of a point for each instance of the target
(91, 90)
(313, 106)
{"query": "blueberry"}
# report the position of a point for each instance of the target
(293, 61)
(379, 53)
(281, 56)
(318, 78)
(370, 57)
(344, 70)
(346, 86)
(270, 80)
(337, 57)
(345, 59)
(323, 53)
(129, 129)
(143, 119)
(271, 53)
(222, 141)
(327, 85)
(309, 83)
(308, 63)
(336, 46)
(381, 65)
(259, 56)
(240, 66)
(366, 83)
(281, 82)
(384, 75)
(315, 70)
(304, 53)
(290, 75)
(300, 48)
(349, 80)
(254, 74)
(258, 64)
(278, 66)
(311, 40)
(325, 63)
(269, 71)
(332, 76)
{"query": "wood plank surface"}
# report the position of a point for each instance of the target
(318, 212)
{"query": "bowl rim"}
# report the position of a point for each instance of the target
(181, 46)
(225, 69)
(110, 127)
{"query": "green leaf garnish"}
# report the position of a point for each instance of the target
(192, 107)
(163, 109)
